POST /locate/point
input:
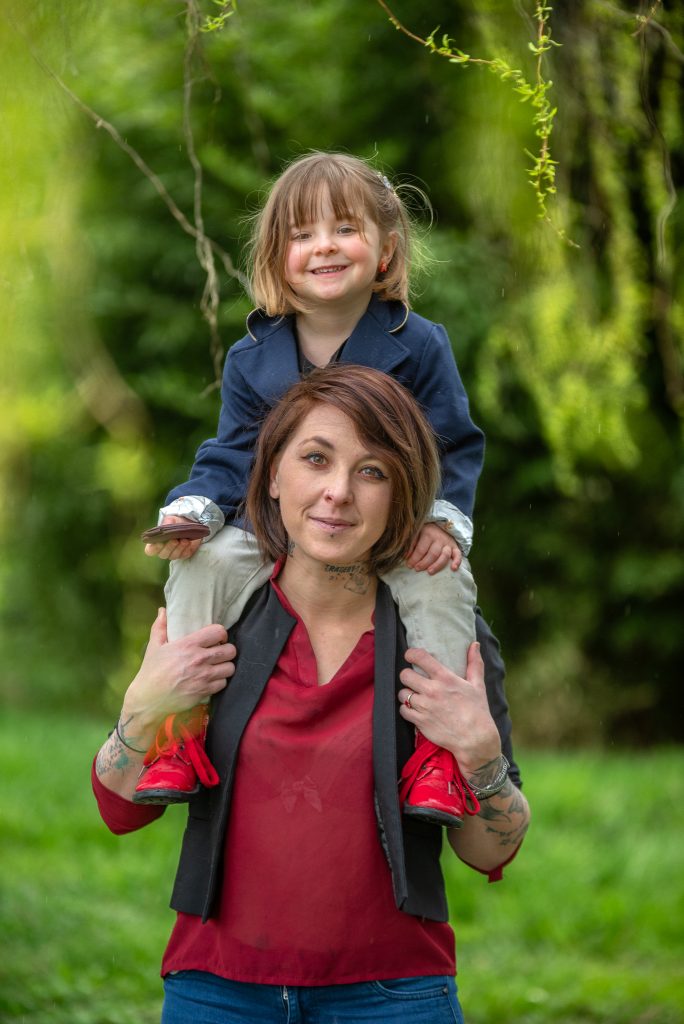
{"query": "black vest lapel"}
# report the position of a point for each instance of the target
(259, 638)
(391, 738)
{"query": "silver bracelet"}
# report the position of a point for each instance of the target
(497, 784)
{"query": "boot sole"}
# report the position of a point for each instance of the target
(432, 816)
(163, 796)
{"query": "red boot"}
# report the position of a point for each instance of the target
(176, 762)
(433, 788)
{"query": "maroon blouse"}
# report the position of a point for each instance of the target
(307, 895)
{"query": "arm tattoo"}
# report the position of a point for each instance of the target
(112, 757)
(498, 818)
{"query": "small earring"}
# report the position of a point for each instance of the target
(383, 267)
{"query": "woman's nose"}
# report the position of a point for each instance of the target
(339, 490)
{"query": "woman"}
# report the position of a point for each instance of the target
(301, 893)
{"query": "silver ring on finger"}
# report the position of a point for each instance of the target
(407, 702)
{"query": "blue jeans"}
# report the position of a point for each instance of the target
(195, 997)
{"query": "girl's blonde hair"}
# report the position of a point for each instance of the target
(297, 196)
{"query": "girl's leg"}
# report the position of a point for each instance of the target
(212, 586)
(215, 584)
(438, 613)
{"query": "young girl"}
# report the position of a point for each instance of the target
(330, 268)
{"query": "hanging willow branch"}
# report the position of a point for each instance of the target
(542, 173)
(211, 294)
(207, 249)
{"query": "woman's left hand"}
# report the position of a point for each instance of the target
(451, 711)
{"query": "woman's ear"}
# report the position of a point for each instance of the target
(273, 486)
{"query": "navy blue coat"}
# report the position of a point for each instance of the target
(263, 365)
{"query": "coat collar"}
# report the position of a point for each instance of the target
(271, 366)
(390, 316)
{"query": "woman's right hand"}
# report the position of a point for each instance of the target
(175, 676)
(173, 548)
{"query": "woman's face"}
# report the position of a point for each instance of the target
(334, 492)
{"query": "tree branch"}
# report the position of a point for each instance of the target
(205, 245)
(209, 302)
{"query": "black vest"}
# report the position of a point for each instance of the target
(412, 848)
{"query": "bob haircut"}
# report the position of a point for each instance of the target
(388, 420)
(355, 190)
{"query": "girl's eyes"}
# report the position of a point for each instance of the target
(303, 235)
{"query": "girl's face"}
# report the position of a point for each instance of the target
(336, 262)
(334, 492)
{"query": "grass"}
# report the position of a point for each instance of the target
(586, 928)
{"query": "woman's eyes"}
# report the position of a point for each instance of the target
(375, 472)
(371, 472)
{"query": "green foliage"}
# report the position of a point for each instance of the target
(572, 357)
(214, 23)
(584, 927)
(542, 174)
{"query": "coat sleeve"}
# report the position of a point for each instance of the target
(439, 389)
(223, 463)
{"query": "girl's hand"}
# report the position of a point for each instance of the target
(173, 548)
(433, 550)
(451, 711)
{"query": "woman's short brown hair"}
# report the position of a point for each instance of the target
(354, 188)
(387, 419)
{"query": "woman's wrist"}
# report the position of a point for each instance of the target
(120, 731)
(141, 709)
(490, 778)
(136, 730)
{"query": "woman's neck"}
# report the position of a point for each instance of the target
(335, 603)
(328, 591)
(321, 331)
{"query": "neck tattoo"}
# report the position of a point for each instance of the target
(356, 577)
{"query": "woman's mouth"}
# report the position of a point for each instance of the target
(331, 526)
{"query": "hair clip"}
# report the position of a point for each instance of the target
(385, 180)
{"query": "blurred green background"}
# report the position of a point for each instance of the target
(572, 354)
